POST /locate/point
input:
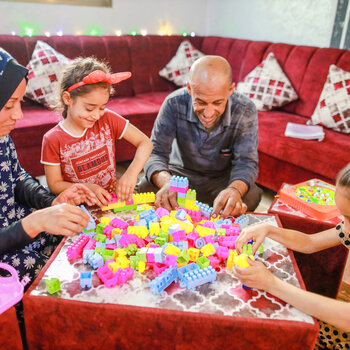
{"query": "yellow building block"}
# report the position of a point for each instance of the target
(123, 261)
(141, 266)
(193, 253)
(116, 231)
(139, 231)
(119, 252)
(172, 250)
(114, 266)
(231, 259)
(208, 249)
(241, 260)
(154, 228)
(142, 198)
(105, 220)
(204, 231)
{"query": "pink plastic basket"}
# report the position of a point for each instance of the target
(11, 289)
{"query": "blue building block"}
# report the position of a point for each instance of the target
(100, 245)
(242, 221)
(181, 214)
(91, 225)
(85, 279)
(87, 255)
(96, 261)
(198, 277)
(181, 271)
(162, 281)
(181, 244)
(205, 209)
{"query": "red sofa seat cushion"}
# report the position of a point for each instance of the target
(325, 158)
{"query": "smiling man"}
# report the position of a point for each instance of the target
(208, 133)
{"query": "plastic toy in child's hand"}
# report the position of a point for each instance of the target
(11, 289)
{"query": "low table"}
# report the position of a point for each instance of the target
(322, 272)
(221, 315)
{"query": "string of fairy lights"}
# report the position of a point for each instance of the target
(164, 30)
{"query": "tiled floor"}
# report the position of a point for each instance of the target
(263, 207)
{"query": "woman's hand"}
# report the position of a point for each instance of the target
(61, 219)
(102, 196)
(76, 195)
(256, 276)
(255, 233)
(126, 185)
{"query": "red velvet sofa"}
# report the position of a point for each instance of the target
(281, 159)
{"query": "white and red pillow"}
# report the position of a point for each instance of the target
(333, 108)
(177, 69)
(45, 68)
(267, 85)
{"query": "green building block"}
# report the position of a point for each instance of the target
(141, 256)
(107, 254)
(100, 250)
(247, 249)
(160, 241)
(100, 227)
(164, 235)
(221, 231)
(134, 261)
(203, 262)
(131, 249)
(191, 194)
(181, 202)
(126, 207)
(53, 285)
(101, 237)
(184, 257)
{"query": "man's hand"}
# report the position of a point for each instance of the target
(76, 195)
(166, 198)
(256, 276)
(230, 202)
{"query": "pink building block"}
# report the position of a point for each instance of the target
(119, 223)
(214, 261)
(159, 268)
(191, 239)
(171, 260)
(75, 250)
(162, 212)
(91, 245)
(124, 275)
(179, 236)
(108, 231)
(222, 253)
(228, 241)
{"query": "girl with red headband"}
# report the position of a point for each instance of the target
(81, 148)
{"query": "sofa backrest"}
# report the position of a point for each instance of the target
(306, 67)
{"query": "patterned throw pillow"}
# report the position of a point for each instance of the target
(267, 85)
(45, 67)
(178, 67)
(333, 108)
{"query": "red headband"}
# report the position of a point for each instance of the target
(99, 76)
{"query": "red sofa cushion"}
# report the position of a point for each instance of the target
(325, 158)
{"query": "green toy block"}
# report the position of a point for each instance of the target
(131, 249)
(261, 249)
(100, 227)
(107, 254)
(134, 261)
(126, 207)
(53, 285)
(203, 262)
(160, 241)
(181, 202)
(221, 231)
(191, 194)
(100, 250)
(184, 257)
(247, 249)
(141, 256)
(164, 235)
(101, 237)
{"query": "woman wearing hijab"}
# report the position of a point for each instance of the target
(24, 243)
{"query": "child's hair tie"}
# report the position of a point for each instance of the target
(99, 76)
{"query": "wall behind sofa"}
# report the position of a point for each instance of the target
(125, 15)
(299, 22)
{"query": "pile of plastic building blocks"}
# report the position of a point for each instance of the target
(184, 245)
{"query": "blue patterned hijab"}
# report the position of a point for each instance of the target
(11, 75)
